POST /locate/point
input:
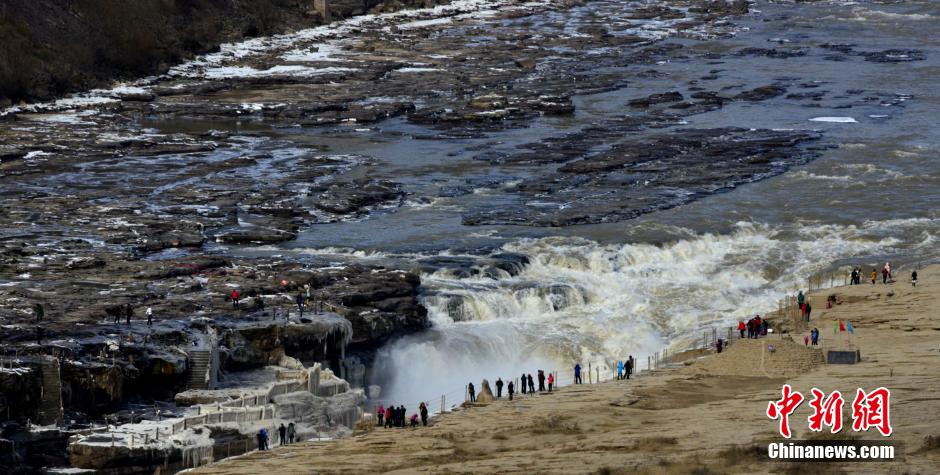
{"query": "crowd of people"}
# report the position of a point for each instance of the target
(392, 416)
(756, 327)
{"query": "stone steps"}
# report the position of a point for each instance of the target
(199, 362)
(50, 406)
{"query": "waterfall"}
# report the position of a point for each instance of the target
(576, 300)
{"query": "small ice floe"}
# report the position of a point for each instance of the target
(417, 70)
(67, 470)
(35, 154)
(128, 89)
(836, 120)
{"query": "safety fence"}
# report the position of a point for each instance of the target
(450, 400)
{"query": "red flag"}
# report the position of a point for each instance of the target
(841, 326)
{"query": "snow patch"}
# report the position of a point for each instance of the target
(835, 120)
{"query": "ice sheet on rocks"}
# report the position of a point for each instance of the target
(216, 65)
(228, 53)
(341, 410)
(282, 70)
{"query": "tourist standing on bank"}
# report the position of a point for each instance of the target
(472, 392)
(499, 388)
(577, 373)
(235, 299)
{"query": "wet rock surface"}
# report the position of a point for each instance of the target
(665, 171)
(107, 361)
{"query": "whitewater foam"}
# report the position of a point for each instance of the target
(578, 300)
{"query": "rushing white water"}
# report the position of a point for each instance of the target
(578, 300)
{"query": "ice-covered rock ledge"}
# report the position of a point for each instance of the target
(225, 423)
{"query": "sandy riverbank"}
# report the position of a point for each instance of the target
(707, 417)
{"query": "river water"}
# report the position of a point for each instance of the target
(599, 292)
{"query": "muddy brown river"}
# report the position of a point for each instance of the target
(569, 180)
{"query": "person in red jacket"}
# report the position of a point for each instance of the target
(235, 299)
(551, 381)
(741, 328)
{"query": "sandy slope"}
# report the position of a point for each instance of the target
(703, 418)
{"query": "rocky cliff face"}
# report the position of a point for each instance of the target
(106, 364)
(51, 47)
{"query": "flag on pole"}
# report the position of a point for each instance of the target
(848, 326)
(835, 328)
(841, 326)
